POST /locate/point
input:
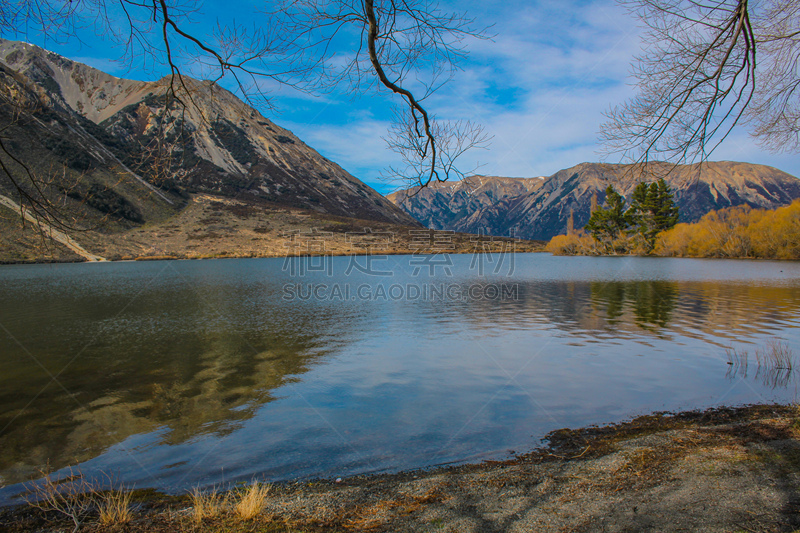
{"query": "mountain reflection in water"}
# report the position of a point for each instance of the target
(148, 367)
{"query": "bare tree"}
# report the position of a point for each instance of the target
(410, 47)
(700, 76)
(435, 155)
(154, 33)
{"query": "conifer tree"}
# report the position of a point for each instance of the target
(652, 210)
(609, 222)
(665, 212)
(640, 206)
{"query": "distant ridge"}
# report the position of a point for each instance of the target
(540, 208)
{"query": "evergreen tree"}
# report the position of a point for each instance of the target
(665, 212)
(640, 206)
(609, 222)
(652, 210)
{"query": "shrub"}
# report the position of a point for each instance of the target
(578, 243)
(109, 202)
(737, 232)
(73, 154)
(70, 496)
(234, 139)
(75, 497)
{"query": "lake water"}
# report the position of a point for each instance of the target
(196, 373)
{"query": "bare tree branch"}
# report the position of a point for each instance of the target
(411, 48)
(695, 79)
(698, 79)
(453, 140)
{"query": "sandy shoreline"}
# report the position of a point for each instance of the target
(717, 470)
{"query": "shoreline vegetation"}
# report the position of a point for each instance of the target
(732, 233)
(722, 469)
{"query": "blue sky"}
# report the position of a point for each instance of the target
(539, 87)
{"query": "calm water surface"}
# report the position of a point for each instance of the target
(194, 373)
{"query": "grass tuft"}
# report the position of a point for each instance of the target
(738, 360)
(776, 356)
(251, 501)
(209, 504)
(774, 363)
(114, 507)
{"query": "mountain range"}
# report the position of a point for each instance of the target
(115, 155)
(135, 173)
(540, 208)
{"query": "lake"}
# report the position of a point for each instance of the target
(177, 374)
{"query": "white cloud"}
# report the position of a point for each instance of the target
(356, 145)
(540, 87)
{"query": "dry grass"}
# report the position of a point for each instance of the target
(377, 515)
(115, 507)
(776, 355)
(245, 503)
(774, 363)
(209, 504)
(266, 231)
(76, 498)
(251, 501)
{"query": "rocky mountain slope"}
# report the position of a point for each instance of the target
(450, 204)
(118, 152)
(540, 208)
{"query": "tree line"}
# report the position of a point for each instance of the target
(732, 232)
(619, 229)
(737, 232)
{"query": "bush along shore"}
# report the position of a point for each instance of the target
(722, 469)
(734, 232)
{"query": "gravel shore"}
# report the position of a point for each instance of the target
(717, 470)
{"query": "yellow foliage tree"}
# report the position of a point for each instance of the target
(737, 232)
(777, 234)
(576, 243)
